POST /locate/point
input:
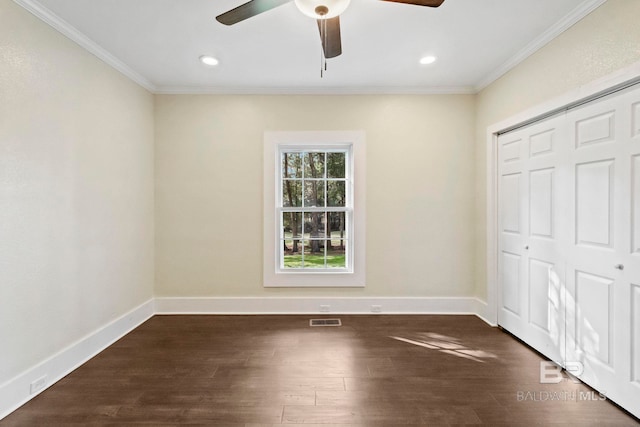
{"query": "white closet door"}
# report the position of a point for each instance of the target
(569, 243)
(603, 260)
(631, 262)
(530, 224)
(511, 158)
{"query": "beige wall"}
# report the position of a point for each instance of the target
(420, 200)
(77, 180)
(76, 192)
(605, 41)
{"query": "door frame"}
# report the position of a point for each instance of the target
(611, 83)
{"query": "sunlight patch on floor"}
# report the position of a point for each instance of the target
(447, 345)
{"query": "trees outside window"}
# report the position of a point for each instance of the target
(314, 208)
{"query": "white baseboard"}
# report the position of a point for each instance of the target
(483, 312)
(312, 305)
(16, 392)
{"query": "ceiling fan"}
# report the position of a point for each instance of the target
(326, 12)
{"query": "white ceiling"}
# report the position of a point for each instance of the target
(158, 42)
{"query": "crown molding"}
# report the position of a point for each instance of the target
(539, 42)
(336, 90)
(59, 24)
(50, 18)
(72, 33)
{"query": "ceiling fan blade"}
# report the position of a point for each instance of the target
(330, 36)
(249, 9)
(428, 3)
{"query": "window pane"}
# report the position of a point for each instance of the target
(337, 226)
(314, 193)
(291, 225)
(292, 254)
(314, 165)
(336, 254)
(291, 165)
(314, 254)
(291, 193)
(335, 165)
(336, 193)
(314, 225)
(314, 180)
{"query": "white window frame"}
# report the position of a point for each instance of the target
(274, 144)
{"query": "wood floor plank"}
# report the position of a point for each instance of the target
(267, 371)
(225, 397)
(311, 369)
(373, 397)
(398, 414)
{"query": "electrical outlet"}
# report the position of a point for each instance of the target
(324, 309)
(376, 308)
(38, 384)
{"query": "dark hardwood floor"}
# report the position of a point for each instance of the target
(269, 370)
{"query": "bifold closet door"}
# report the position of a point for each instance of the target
(530, 223)
(569, 243)
(603, 258)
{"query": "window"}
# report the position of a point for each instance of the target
(314, 209)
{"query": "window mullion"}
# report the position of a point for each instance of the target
(302, 247)
(315, 209)
(326, 213)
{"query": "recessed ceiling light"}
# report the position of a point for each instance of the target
(426, 60)
(209, 60)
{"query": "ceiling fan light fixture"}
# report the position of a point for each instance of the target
(209, 60)
(322, 9)
(426, 60)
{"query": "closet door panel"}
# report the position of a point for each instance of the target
(594, 203)
(511, 201)
(635, 334)
(592, 285)
(545, 271)
(603, 260)
(511, 226)
(543, 294)
(635, 120)
(512, 278)
(595, 129)
(541, 193)
(528, 197)
(542, 143)
(635, 204)
(594, 317)
(631, 272)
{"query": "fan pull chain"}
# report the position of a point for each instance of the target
(326, 41)
(323, 60)
(322, 11)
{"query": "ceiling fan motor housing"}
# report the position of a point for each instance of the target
(322, 9)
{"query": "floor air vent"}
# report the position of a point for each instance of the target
(325, 322)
